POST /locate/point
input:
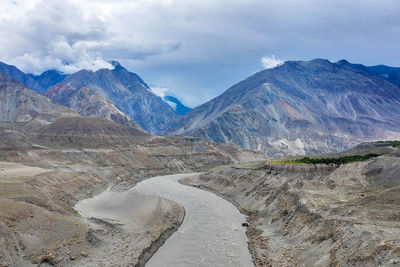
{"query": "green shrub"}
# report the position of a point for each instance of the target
(340, 160)
(389, 143)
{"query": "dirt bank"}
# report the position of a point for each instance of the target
(316, 215)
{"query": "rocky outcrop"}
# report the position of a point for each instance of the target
(316, 215)
(301, 107)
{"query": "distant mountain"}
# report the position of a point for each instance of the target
(176, 104)
(126, 90)
(20, 104)
(48, 79)
(38, 83)
(21, 77)
(300, 107)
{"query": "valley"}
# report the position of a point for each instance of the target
(86, 181)
(44, 174)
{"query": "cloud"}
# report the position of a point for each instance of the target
(162, 92)
(61, 56)
(69, 35)
(159, 91)
(49, 37)
(197, 49)
(269, 62)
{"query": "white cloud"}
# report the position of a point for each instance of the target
(269, 62)
(69, 35)
(159, 91)
(162, 92)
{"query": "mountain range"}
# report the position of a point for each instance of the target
(300, 107)
(126, 90)
(116, 94)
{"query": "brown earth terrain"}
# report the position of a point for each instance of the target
(44, 173)
(317, 214)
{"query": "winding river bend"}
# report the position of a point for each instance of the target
(211, 233)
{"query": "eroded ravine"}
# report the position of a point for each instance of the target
(211, 233)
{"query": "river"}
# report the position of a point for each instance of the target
(211, 233)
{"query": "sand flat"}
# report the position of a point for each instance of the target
(134, 211)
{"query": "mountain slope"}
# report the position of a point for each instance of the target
(390, 73)
(21, 77)
(20, 104)
(126, 90)
(300, 107)
(48, 79)
(89, 102)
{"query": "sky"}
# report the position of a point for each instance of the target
(195, 49)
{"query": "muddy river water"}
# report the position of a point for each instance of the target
(211, 233)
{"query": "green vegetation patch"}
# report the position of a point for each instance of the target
(388, 143)
(340, 160)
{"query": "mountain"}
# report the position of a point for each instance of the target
(176, 104)
(20, 76)
(89, 102)
(20, 104)
(126, 90)
(300, 107)
(390, 73)
(38, 83)
(48, 79)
